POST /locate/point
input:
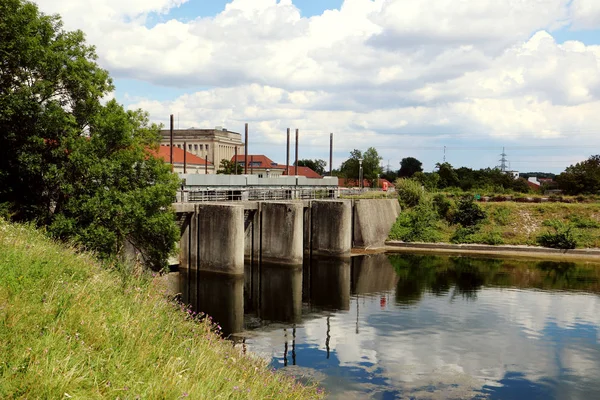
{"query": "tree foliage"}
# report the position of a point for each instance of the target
(67, 161)
(409, 166)
(371, 159)
(228, 167)
(316, 165)
(581, 178)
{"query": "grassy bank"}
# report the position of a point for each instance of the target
(72, 329)
(508, 223)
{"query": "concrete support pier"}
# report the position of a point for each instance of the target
(221, 238)
(282, 233)
(331, 228)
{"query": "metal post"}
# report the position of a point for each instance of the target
(246, 156)
(185, 157)
(171, 141)
(206, 165)
(296, 168)
(287, 154)
(330, 153)
(235, 163)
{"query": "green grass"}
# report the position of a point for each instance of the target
(70, 328)
(515, 223)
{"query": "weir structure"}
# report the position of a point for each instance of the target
(219, 236)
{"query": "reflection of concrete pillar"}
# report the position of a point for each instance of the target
(281, 233)
(221, 238)
(331, 227)
(372, 273)
(330, 283)
(218, 295)
(281, 294)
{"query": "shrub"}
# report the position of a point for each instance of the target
(418, 224)
(464, 235)
(582, 222)
(468, 213)
(501, 215)
(410, 192)
(562, 236)
(443, 206)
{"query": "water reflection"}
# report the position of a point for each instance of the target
(407, 326)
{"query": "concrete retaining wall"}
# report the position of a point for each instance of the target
(331, 228)
(373, 219)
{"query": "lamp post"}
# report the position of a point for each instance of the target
(378, 181)
(360, 173)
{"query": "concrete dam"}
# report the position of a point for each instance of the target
(219, 237)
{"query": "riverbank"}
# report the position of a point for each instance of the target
(70, 328)
(528, 252)
(516, 224)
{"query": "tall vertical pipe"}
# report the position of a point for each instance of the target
(171, 141)
(287, 154)
(246, 156)
(330, 153)
(296, 168)
(206, 165)
(235, 161)
(185, 157)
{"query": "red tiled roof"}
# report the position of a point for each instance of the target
(262, 160)
(164, 152)
(303, 171)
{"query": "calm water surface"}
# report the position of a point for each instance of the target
(422, 327)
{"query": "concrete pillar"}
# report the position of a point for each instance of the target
(331, 228)
(221, 238)
(281, 294)
(281, 233)
(330, 283)
(373, 219)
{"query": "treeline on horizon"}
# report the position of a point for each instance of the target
(581, 178)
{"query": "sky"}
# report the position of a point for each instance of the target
(438, 80)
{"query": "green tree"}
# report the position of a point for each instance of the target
(228, 167)
(67, 162)
(581, 178)
(448, 176)
(371, 159)
(409, 166)
(316, 165)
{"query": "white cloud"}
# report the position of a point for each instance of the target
(373, 68)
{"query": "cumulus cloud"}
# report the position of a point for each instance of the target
(371, 69)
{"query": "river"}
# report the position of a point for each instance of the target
(417, 326)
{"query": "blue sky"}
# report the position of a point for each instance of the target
(405, 77)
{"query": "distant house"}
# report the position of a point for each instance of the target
(194, 164)
(351, 183)
(536, 184)
(264, 167)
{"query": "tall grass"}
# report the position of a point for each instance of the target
(70, 328)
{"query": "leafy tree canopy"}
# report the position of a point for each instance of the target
(228, 167)
(371, 159)
(68, 162)
(409, 166)
(583, 177)
(316, 165)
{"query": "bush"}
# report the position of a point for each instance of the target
(443, 206)
(410, 192)
(561, 238)
(418, 224)
(464, 235)
(468, 213)
(582, 222)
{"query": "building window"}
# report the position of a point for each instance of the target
(189, 147)
(195, 147)
(260, 175)
(206, 147)
(201, 147)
